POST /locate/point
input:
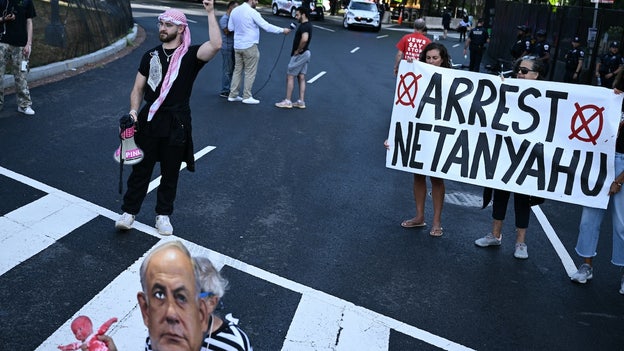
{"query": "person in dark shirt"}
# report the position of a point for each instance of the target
(446, 22)
(541, 50)
(165, 81)
(610, 65)
(523, 44)
(574, 62)
(299, 59)
(477, 39)
(16, 35)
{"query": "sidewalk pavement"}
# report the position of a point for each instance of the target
(55, 68)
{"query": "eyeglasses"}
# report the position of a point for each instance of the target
(165, 24)
(524, 70)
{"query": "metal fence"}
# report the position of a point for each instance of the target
(596, 27)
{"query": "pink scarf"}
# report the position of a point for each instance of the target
(178, 18)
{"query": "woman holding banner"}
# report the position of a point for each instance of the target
(527, 67)
(591, 218)
(437, 55)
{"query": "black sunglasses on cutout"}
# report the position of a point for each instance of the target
(524, 70)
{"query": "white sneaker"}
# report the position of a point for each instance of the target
(251, 101)
(521, 251)
(584, 273)
(489, 240)
(163, 226)
(298, 104)
(27, 110)
(235, 99)
(124, 222)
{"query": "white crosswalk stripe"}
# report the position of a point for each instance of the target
(321, 321)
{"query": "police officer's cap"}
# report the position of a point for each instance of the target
(614, 44)
(541, 33)
(522, 28)
(576, 39)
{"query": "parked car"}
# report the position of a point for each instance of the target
(285, 6)
(361, 13)
(290, 7)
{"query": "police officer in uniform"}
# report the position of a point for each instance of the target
(477, 38)
(610, 65)
(574, 62)
(541, 50)
(523, 44)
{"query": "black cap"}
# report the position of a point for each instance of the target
(576, 39)
(541, 33)
(522, 27)
(614, 44)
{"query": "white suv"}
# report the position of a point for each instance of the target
(285, 6)
(362, 13)
(290, 7)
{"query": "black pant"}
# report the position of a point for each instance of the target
(568, 76)
(522, 208)
(476, 54)
(155, 149)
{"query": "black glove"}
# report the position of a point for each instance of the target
(125, 122)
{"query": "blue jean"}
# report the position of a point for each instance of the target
(228, 69)
(591, 218)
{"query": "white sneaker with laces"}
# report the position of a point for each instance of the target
(250, 101)
(26, 110)
(124, 222)
(299, 104)
(521, 251)
(584, 273)
(235, 99)
(489, 240)
(163, 225)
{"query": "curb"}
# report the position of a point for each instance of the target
(55, 68)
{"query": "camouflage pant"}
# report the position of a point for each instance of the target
(15, 56)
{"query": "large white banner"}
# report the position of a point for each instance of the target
(547, 139)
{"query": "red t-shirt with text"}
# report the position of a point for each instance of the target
(412, 44)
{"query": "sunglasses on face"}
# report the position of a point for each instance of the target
(524, 70)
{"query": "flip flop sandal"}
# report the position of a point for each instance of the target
(408, 223)
(439, 231)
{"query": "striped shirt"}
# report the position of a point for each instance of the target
(229, 337)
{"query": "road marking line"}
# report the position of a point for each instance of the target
(323, 28)
(332, 327)
(31, 228)
(382, 36)
(156, 182)
(356, 49)
(314, 79)
(564, 256)
(100, 307)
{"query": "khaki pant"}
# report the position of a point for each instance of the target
(245, 60)
(15, 56)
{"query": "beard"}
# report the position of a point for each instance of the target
(166, 38)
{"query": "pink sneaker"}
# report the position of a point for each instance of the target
(284, 104)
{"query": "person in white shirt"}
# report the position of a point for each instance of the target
(245, 22)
